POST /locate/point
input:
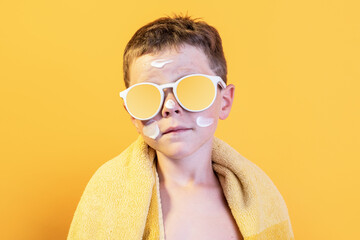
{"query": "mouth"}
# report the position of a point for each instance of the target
(174, 130)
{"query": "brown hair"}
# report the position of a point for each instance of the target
(174, 32)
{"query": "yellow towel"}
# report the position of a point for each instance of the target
(122, 200)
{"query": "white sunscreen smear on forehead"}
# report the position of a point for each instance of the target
(204, 122)
(170, 104)
(160, 63)
(151, 130)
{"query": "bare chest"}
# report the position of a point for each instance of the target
(197, 216)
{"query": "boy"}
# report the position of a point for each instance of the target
(177, 181)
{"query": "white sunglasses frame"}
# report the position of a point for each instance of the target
(215, 80)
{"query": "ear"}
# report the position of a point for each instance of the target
(227, 98)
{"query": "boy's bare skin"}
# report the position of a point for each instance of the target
(193, 203)
(202, 213)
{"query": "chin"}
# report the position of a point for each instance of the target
(177, 150)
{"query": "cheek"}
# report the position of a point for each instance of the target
(204, 121)
(151, 129)
(209, 117)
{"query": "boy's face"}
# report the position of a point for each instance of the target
(174, 131)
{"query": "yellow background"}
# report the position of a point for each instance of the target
(296, 68)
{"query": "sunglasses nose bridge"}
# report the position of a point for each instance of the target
(166, 89)
(166, 86)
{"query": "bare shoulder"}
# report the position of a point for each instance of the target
(201, 214)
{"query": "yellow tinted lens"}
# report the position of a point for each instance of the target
(143, 100)
(196, 92)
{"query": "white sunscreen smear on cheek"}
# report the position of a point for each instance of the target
(204, 122)
(151, 130)
(160, 63)
(170, 104)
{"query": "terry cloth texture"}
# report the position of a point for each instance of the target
(122, 199)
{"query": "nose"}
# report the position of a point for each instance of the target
(170, 106)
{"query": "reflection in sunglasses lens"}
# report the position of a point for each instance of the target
(196, 92)
(143, 100)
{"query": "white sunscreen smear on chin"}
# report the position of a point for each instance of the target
(151, 130)
(160, 63)
(170, 104)
(204, 122)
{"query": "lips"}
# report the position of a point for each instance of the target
(177, 129)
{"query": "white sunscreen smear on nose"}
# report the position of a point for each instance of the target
(160, 63)
(204, 122)
(170, 104)
(151, 130)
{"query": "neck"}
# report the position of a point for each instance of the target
(193, 171)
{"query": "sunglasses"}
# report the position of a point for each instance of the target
(194, 93)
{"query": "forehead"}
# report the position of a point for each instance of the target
(169, 65)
